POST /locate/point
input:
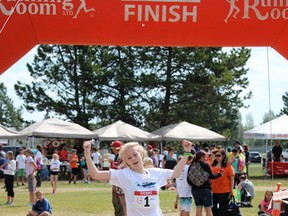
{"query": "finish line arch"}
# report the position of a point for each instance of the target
(26, 23)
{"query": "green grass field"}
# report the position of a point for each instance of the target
(95, 199)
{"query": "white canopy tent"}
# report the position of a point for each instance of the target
(6, 133)
(185, 130)
(57, 128)
(124, 132)
(275, 129)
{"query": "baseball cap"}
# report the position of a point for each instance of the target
(116, 144)
(149, 147)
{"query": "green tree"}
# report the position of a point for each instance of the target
(199, 85)
(285, 108)
(10, 116)
(82, 83)
(270, 115)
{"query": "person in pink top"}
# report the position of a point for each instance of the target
(264, 205)
(31, 168)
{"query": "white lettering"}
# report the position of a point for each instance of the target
(253, 7)
(160, 13)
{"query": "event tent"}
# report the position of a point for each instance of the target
(125, 132)
(185, 130)
(57, 128)
(274, 129)
(6, 133)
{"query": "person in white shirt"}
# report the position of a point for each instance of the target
(20, 167)
(54, 171)
(96, 157)
(184, 191)
(38, 157)
(9, 168)
(141, 186)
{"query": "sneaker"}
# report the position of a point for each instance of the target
(12, 204)
(29, 204)
(6, 203)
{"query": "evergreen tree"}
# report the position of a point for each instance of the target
(10, 116)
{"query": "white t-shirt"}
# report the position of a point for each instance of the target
(96, 157)
(55, 164)
(141, 190)
(39, 157)
(11, 167)
(182, 186)
(20, 159)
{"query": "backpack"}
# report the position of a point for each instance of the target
(197, 175)
(241, 164)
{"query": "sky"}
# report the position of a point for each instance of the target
(267, 75)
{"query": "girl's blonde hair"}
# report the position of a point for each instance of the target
(148, 162)
(134, 145)
(55, 156)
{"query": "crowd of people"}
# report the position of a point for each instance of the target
(227, 170)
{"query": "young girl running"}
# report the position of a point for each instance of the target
(141, 186)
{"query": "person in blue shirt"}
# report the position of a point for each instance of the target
(41, 207)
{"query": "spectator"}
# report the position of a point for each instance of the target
(247, 157)
(9, 173)
(245, 183)
(203, 194)
(277, 151)
(20, 167)
(96, 157)
(222, 187)
(63, 158)
(73, 160)
(42, 206)
(39, 162)
(2, 152)
(30, 171)
(118, 198)
(234, 160)
(184, 192)
(54, 171)
(265, 203)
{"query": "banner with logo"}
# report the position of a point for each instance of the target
(26, 23)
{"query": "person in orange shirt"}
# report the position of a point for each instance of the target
(222, 187)
(73, 159)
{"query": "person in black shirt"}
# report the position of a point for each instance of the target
(276, 151)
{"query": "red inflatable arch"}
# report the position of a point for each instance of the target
(26, 23)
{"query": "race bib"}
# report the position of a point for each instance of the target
(146, 199)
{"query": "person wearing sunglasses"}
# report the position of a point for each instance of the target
(222, 187)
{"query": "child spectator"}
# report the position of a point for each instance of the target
(184, 190)
(264, 205)
(41, 207)
(73, 159)
(54, 171)
(20, 167)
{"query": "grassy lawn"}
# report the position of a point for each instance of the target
(95, 199)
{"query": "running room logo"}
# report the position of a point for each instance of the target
(261, 9)
(161, 10)
(46, 7)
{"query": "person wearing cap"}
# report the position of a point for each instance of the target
(118, 199)
(141, 185)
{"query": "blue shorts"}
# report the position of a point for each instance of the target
(203, 198)
(185, 204)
